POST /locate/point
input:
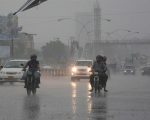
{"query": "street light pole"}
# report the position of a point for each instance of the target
(12, 44)
(132, 33)
(115, 31)
(83, 27)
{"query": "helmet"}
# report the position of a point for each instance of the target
(99, 58)
(33, 57)
(104, 58)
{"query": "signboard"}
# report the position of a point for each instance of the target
(4, 51)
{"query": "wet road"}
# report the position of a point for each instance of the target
(60, 99)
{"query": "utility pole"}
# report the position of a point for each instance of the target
(12, 44)
(12, 25)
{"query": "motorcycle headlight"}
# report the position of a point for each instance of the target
(74, 69)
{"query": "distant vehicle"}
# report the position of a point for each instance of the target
(129, 69)
(46, 67)
(81, 69)
(145, 70)
(12, 70)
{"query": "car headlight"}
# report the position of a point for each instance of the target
(131, 70)
(19, 72)
(74, 69)
(89, 69)
(125, 71)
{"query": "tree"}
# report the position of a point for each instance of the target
(55, 52)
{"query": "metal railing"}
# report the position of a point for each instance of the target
(55, 72)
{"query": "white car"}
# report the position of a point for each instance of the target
(12, 70)
(81, 69)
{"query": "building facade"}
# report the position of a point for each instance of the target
(12, 39)
(119, 51)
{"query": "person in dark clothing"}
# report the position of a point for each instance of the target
(99, 66)
(104, 83)
(33, 66)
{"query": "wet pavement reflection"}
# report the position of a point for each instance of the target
(61, 99)
(74, 95)
(96, 103)
(31, 108)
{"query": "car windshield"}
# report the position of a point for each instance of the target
(84, 63)
(15, 64)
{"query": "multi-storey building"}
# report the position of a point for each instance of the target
(10, 36)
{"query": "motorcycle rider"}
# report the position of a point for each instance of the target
(107, 74)
(99, 66)
(34, 66)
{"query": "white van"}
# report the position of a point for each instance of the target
(81, 69)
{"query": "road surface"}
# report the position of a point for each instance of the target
(60, 99)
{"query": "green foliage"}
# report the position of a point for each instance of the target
(55, 52)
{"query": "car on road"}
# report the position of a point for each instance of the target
(129, 69)
(145, 70)
(12, 70)
(81, 69)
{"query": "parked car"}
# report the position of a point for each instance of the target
(81, 69)
(129, 69)
(145, 70)
(12, 70)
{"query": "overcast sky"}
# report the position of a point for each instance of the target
(42, 20)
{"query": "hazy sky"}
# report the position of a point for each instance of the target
(42, 20)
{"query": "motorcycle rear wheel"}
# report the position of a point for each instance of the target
(28, 86)
(28, 92)
(34, 91)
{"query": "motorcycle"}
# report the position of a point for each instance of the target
(31, 82)
(97, 83)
